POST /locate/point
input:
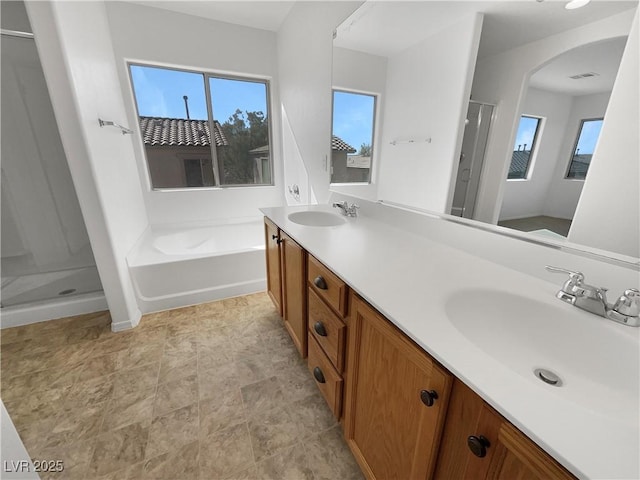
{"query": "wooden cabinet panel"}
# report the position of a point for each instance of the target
(294, 302)
(391, 431)
(332, 290)
(327, 378)
(510, 455)
(272, 245)
(328, 330)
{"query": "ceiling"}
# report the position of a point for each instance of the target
(388, 27)
(265, 15)
(602, 58)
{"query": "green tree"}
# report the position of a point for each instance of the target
(365, 150)
(244, 131)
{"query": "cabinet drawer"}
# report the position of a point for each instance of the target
(329, 287)
(327, 329)
(326, 377)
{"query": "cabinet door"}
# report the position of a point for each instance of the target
(272, 247)
(389, 425)
(294, 301)
(478, 443)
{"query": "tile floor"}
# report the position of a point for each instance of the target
(213, 391)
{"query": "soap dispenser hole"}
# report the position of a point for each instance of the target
(547, 376)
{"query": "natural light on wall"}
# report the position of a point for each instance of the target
(202, 130)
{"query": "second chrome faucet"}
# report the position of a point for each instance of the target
(346, 209)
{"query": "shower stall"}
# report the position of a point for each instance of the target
(46, 256)
(474, 142)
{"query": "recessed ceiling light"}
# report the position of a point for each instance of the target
(573, 4)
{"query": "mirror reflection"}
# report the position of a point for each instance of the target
(538, 92)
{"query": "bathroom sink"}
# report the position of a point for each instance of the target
(596, 362)
(316, 218)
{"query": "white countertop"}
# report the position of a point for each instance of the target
(411, 278)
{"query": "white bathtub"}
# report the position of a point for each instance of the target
(176, 266)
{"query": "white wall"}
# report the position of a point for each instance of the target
(305, 45)
(427, 90)
(161, 37)
(608, 213)
(563, 194)
(365, 73)
(502, 79)
(74, 43)
(526, 198)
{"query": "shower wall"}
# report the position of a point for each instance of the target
(45, 247)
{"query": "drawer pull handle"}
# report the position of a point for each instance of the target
(478, 445)
(279, 241)
(320, 330)
(273, 237)
(318, 375)
(320, 282)
(428, 397)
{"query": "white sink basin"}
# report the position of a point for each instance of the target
(316, 218)
(597, 362)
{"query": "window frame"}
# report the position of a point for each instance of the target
(206, 74)
(575, 146)
(374, 127)
(533, 152)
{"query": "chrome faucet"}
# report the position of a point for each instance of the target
(346, 209)
(625, 310)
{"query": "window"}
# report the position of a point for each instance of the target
(352, 137)
(583, 150)
(202, 130)
(524, 147)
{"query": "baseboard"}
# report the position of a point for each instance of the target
(19, 315)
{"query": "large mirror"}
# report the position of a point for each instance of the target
(504, 137)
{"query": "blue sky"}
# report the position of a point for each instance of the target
(159, 93)
(353, 117)
(586, 143)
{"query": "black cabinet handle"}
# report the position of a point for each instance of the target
(320, 282)
(273, 237)
(320, 330)
(478, 445)
(279, 241)
(318, 375)
(428, 397)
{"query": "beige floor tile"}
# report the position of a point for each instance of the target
(89, 392)
(175, 367)
(173, 429)
(140, 354)
(179, 463)
(290, 464)
(272, 431)
(75, 458)
(118, 449)
(173, 395)
(139, 380)
(23, 385)
(102, 365)
(329, 457)
(131, 472)
(76, 424)
(129, 409)
(226, 453)
(214, 356)
(312, 415)
(297, 382)
(221, 411)
(262, 396)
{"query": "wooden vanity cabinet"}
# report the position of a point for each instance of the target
(272, 246)
(478, 443)
(294, 299)
(396, 399)
(286, 284)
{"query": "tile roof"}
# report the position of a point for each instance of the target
(519, 163)
(579, 166)
(338, 144)
(161, 131)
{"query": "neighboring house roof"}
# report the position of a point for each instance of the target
(580, 165)
(519, 163)
(174, 132)
(338, 144)
(260, 150)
